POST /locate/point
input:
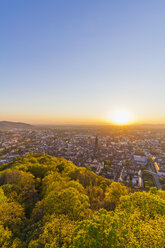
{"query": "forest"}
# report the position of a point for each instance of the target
(50, 202)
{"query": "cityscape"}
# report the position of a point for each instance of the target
(134, 156)
(82, 124)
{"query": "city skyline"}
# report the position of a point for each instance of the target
(79, 62)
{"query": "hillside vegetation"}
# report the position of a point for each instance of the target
(10, 124)
(50, 202)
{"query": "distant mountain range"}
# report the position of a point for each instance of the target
(10, 125)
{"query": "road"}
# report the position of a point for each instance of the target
(156, 177)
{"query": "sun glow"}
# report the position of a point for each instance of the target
(122, 117)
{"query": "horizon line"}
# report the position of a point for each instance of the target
(85, 123)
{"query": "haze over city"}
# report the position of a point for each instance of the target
(82, 61)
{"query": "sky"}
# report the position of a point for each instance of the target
(70, 61)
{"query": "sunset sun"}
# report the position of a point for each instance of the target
(121, 117)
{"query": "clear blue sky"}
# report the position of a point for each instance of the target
(65, 60)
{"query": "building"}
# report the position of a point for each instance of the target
(139, 160)
(161, 172)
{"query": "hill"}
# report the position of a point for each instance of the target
(50, 202)
(10, 125)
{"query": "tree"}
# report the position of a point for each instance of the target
(12, 217)
(113, 194)
(148, 205)
(5, 237)
(3, 198)
(57, 233)
(61, 203)
(138, 221)
(97, 232)
(153, 190)
(20, 186)
(69, 202)
(96, 196)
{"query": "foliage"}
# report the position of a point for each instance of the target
(50, 202)
(95, 232)
(148, 180)
(57, 232)
(113, 194)
(69, 202)
(3, 198)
